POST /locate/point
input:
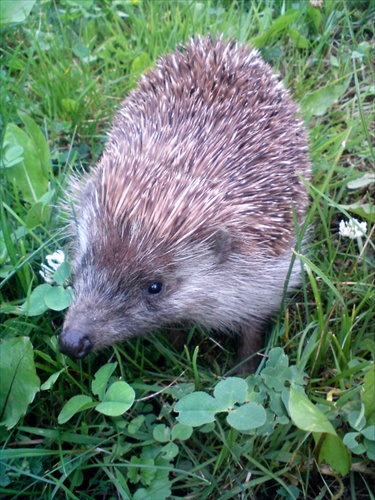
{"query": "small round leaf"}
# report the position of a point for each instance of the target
(58, 298)
(162, 433)
(170, 451)
(117, 400)
(181, 432)
(246, 417)
(231, 391)
(197, 409)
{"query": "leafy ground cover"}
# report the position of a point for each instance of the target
(143, 420)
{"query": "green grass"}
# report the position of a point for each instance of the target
(67, 66)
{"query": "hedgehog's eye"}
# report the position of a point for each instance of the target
(155, 288)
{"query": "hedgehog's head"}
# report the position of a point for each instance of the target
(128, 281)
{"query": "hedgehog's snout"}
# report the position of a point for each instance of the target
(75, 343)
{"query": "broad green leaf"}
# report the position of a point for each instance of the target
(35, 304)
(19, 381)
(298, 40)
(181, 432)
(15, 11)
(198, 408)
(306, 415)
(99, 384)
(40, 143)
(58, 298)
(162, 433)
(38, 213)
(28, 175)
(364, 210)
(317, 102)
(315, 15)
(246, 417)
(231, 391)
(12, 156)
(73, 406)
(334, 453)
(117, 400)
(363, 181)
(278, 26)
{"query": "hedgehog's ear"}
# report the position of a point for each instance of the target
(221, 244)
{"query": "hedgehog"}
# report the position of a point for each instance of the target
(191, 215)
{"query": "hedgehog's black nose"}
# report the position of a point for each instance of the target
(74, 343)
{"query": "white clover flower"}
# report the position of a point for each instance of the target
(352, 229)
(318, 4)
(54, 261)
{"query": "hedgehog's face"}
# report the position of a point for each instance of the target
(110, 306)
(114, 302)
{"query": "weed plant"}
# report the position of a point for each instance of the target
(142, 420)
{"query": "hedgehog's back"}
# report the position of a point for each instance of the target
(209, 139)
